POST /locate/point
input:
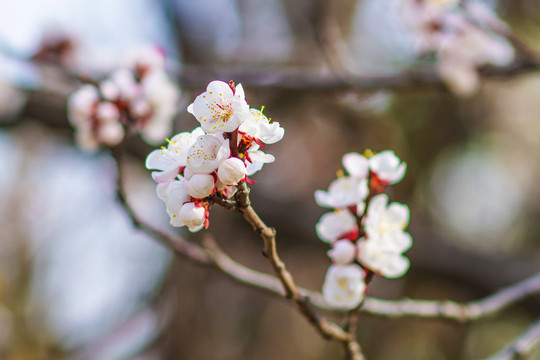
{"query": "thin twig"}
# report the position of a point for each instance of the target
(326, 329)
(521, 347)
(450, 310)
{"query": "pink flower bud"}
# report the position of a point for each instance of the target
(111, 133)
(231, 171)
(107, 112)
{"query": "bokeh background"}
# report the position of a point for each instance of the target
(78, 282)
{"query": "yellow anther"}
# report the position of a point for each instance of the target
(368, 153)
(340, 173)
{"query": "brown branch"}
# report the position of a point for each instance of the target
(212, 256)
(450, 310)
(521, 347)
(326, 329)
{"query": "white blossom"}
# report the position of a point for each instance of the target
(343, 252)
(160, 95)
(385, 221)
(126, 84)
(193, 216)
(335, 225)
(218, 109)
(96, 122)
(460, 56)
(387, 166)
(207, 153)
(356, 165)
(463, 38)
(200, 186)
(255, 159)
(343, 192)
(81, 104)
(259, 126)
(344, 286)
(170, 160)
(174, 195)
(386, 238)
(382, 257)
(147, 58)
(231, 171)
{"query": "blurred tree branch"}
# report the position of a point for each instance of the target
(521, 347)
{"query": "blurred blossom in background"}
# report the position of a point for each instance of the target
(78, 282)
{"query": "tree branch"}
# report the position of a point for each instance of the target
(326, 329)
(450, 310)
(521, 347)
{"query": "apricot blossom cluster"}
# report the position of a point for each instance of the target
(138, 97)
(464, 35)
(367, 234)
(207, 163)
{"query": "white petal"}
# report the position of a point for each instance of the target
(356, 164)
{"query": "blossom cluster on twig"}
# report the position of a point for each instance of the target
(464, 35)
(139, 97)
(199, 167)
(366, 233)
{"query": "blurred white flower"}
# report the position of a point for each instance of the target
(337, 225)
(140, 98)
(461, 54)
(464, 39)
(343, 252)
(344, 286)
(387, 166)
(218, 109)
(161, 97)
(95, 122)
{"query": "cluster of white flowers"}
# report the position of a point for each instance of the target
(138, 97)
(366, 233)
(464, 35)
(214, 158)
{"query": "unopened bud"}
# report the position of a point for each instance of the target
(192, 215)
(231, 171)
(343, 252)
(199, 186)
